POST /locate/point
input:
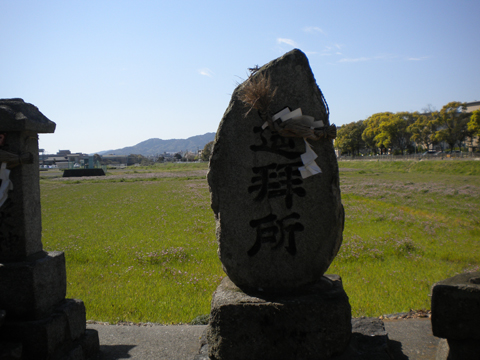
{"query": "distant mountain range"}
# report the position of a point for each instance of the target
(159, 146)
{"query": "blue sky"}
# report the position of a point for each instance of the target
(114, 73)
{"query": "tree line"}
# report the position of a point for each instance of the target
(407, 132)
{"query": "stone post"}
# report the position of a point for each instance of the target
(38, 321)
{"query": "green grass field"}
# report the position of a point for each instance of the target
(142, 248)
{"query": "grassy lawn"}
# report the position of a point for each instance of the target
(143, 249)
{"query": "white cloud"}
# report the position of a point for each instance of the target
(363, 58)
(354, 59)
(287, 41)
(418, 59)
(206, 72)
(313, 29)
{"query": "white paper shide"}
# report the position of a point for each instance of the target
(308, 158)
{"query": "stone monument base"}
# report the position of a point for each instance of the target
(62, 335)
(312, 324)
(369, 340)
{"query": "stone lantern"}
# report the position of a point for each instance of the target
(37, 321)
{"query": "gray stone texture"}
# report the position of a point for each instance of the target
(17, 115)
(369, 341)
(456, 316)
(55, 336)
(38, 322)
(236, 169)
(451, 349)
(20, 215)
(314, 324)
(2, 316)
(31, 289)
(10, 351)
(456, 307)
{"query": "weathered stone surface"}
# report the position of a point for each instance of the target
(39, 323)
(369, 340)
(74, 312)
(276, 231)
(314, 324)
(32, 288)
(90, 343)
(59, 333)
(10, 351)
(456, 307)
(20, 215)
(451, 349)
(17, 115)
(369, 333)
(2, 316)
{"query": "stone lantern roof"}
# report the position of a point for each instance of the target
(17, 115)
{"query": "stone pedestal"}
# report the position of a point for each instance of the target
(456, 316)
(56, 336)
(314, 323)
(36, 321)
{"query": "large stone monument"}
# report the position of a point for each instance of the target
(37, 321)
(275, 193)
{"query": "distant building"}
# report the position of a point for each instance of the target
(62, 158)
(472, 106)
(118, 159)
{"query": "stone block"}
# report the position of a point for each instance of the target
(369, 341)
(90, 343)
(456, 307)
(58, 333)
(313, 324)
(369, 333)
(32, 288)
(75, 313)
(458, 349)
